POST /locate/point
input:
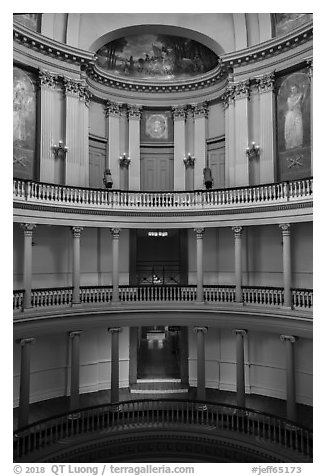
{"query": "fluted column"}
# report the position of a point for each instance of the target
(287, 271)
(201, 378)
(124, 160)
(114, 363)
(290, 377)
(134, 147)
(200, 112)
(241, 392)
(48, 135)
(241, 165)
(76, 231)
(266, 138)
(75, 369)
(24, 391)
(77, 157)
(179, 120)
(228, 104)
(310, 74)
(238, 262)
(199, 254)
(115, 264)
(112, 112)
(27, 270)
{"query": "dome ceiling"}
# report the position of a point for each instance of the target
(156, 57)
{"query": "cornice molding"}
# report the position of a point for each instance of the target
(269, 48)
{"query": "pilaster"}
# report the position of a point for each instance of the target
(199, 258)
(113, 114)
(27, 269)
(289, 341)
(179, 120)
(200, 112)
(241, 166)
(201, 364)
(238, 262)
(76, 232)
(134, 114)
(24, 391)
(115, 264)
(287, 268)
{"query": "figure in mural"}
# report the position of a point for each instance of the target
(293, 126)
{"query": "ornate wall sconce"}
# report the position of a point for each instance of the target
(189, 161)
(60, 151)
(124, 161)
(253, 151)
(107, 179)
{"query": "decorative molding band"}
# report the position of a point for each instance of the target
(269, 48)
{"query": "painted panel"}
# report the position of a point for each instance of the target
(24, 124)
(293, 126)
(284, 22)
(31, 20)
(156, 57)
(156, 126)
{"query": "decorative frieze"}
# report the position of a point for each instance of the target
(47, 79)
(266, 82)
(179, 113)
(134, 111)
(200, 110)
(112, 109)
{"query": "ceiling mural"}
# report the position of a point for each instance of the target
(284, 22)
(156, 57)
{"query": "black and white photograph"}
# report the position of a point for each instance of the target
(162, 240)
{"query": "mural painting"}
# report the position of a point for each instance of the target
(24, 124)
(156, 126)
(156, 57)
(284, 22)
(293, 126)
(31, 20)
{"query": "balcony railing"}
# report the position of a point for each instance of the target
(252, 295)
(46, 193)
(263, 430)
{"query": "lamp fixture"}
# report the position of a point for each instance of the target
(253, 151)
(124, 160)
(189, 161)
(60, 151)
(107, 179)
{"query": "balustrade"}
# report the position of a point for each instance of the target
(259, 295)
(118, 199)
(253, 426)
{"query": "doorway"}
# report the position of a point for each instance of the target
(156, 168)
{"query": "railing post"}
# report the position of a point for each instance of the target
(76, 231)
(25, 364)
(290, 377)
(28, 238)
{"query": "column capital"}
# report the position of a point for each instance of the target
(73, 334)
(28, 228)
(26, 340)
(200, 110)
(76, 231)
(134, 111)
(114, 330)
(242, 89)
(199, 232)
(266, 82)
(115, 233)
(47, 79)
(84, 94)
(286, 338)
(179, 113)
(309, 63)
(285, 227)
(71, 86)
(200, 329)
(240, 332)
(229, 96)
(237, 231)
(112, 109)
